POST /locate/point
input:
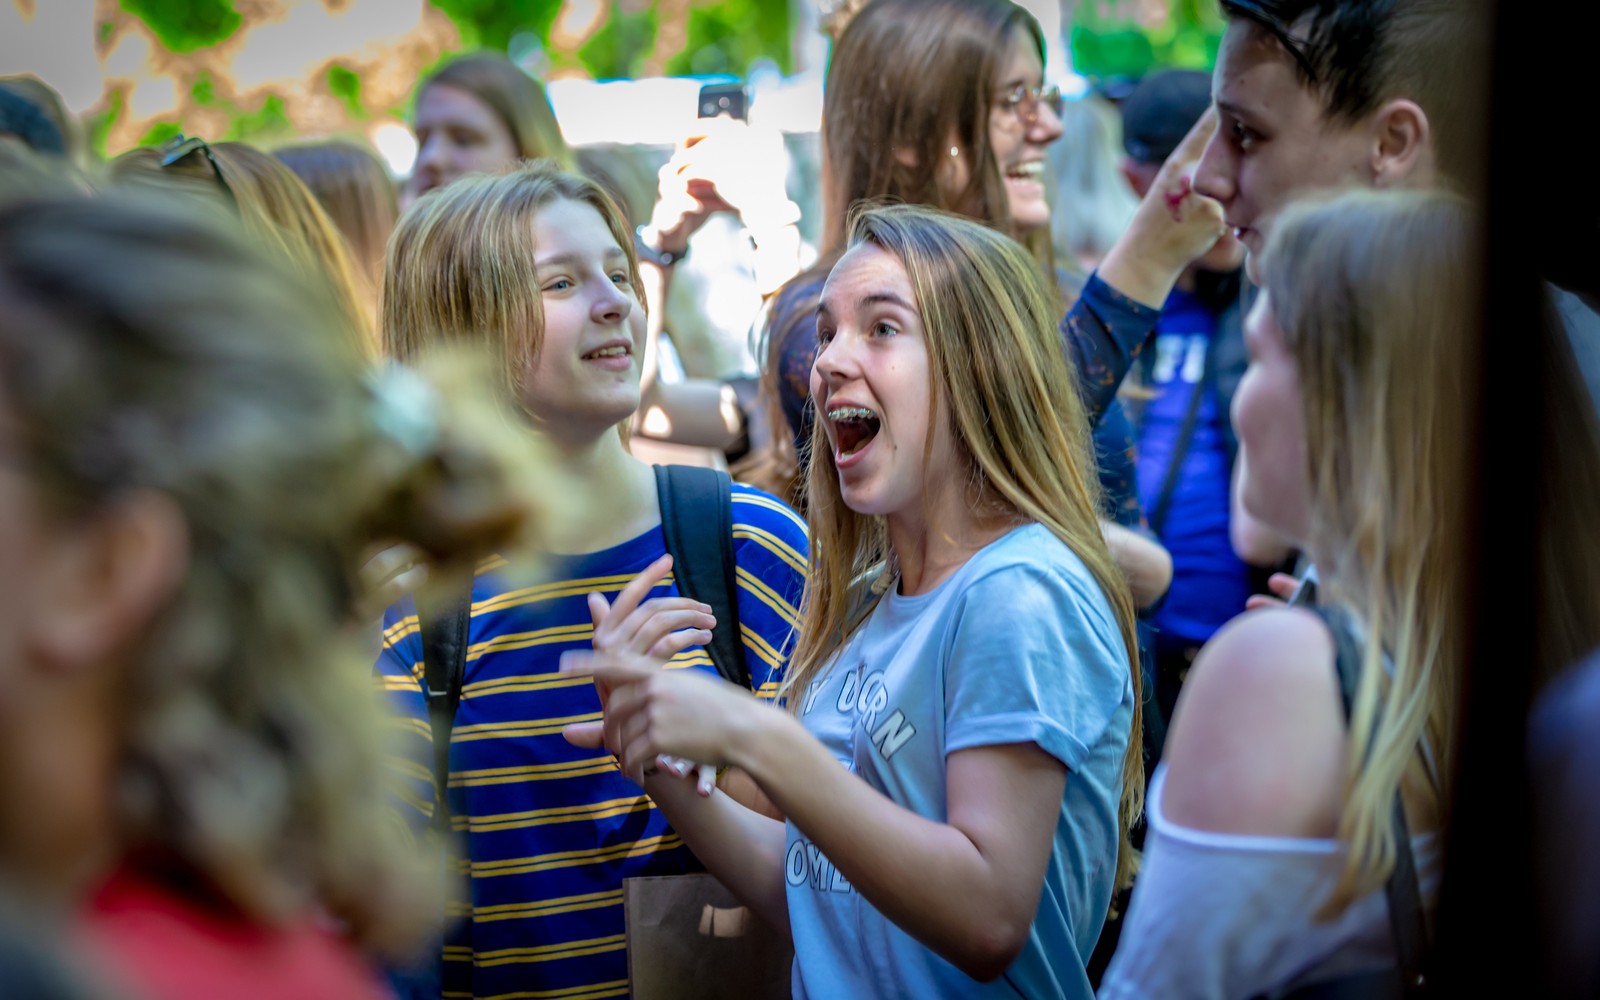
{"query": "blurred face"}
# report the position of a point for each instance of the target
(1272, 143)
(585, 379)
(457, 134)
(1020, 127)
(872, 385)
(1274, 484)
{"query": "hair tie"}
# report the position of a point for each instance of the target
(405, 408)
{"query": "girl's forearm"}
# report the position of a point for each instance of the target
(929, 878)
(741, 847)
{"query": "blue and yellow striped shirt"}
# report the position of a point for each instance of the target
(550, 830)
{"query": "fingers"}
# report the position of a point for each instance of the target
(589, 735)
(1188, 152)
(656, 620)
(629, 598)
(1282, 584)
(669, 646)
(1258, 601)
(707, 782)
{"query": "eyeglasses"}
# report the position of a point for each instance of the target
(179, 148)
(1257, 12)
(1023, 102)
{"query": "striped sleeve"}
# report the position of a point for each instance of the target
(771, 549)
(409, 757)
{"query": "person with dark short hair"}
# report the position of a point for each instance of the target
(1186, 446)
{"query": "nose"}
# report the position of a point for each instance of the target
(1215, 174)
(836, 363)
(431, 157)
(610, 305)
(1046, 125)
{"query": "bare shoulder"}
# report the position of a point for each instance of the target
(1257, 742)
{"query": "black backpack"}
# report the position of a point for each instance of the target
(697, 520)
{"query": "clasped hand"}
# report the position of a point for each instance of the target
(655, 719)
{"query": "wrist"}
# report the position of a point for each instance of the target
(761, 740)
(660, 247)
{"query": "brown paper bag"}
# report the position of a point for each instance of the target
(689, 939)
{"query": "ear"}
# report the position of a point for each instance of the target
(906, 156)
(115, 572)
(1403, 144)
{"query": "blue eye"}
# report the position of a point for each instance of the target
(884, 330)
(558, 285)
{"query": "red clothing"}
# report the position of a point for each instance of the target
(166, 946)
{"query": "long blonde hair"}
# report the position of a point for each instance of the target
(996, 365)
(1373, 292)
(461, 265)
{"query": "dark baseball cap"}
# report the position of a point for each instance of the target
(1161, 111)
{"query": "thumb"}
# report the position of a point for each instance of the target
(589, 735)
(598, 607)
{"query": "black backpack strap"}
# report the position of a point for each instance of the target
(444, 624)
(1157, 515)
(1404, 893)
(697, 520)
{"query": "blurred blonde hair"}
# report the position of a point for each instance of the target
(1385, 384)
(996, 364)
(353, 187)
(147, 350)
(278, 211)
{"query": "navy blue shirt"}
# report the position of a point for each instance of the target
(1209, 583)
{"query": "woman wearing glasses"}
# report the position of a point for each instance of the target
(942, 104)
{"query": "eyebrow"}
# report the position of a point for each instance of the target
(1236, 110)
(572, 259)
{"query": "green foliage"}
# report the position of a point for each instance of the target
(97, 128)
(158, 133)
(723, 37)
(621, 46)
(1106, 42)
(345, 84)
(266, 122)
(729, 37)
(491, 24)
(186, 25)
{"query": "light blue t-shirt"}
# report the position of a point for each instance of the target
(1019, 645)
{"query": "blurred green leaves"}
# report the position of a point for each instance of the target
(1107, 41)
(186, 25)
(724, 36)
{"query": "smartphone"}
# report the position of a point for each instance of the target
(723, 99)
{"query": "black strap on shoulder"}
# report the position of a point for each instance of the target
(1157, 518)
(444, 622)
(697, 520)
(1404, 894)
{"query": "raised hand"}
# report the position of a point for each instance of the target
(647, 633)
(1174, 225)
(652, 713)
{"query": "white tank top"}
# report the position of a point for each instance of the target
(1229, 917)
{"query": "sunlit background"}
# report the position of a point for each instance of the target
(627, 71)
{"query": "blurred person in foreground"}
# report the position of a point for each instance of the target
(193, 469)
(1272, 819)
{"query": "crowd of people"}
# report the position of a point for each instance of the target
(1072, 605)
